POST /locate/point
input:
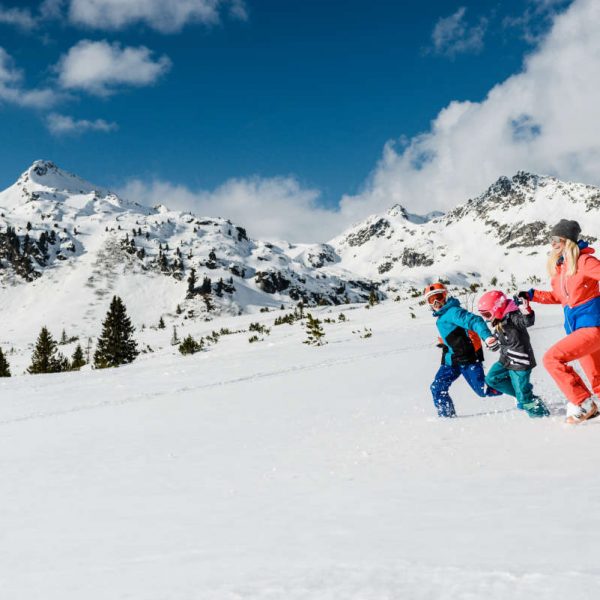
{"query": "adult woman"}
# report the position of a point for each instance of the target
(574, 279)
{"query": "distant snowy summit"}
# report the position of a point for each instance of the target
(56, 226)
(501, 235)
(79, 243)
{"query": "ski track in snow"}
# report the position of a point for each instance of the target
(218, 384)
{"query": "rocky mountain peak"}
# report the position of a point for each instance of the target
(519, 184)
(398, 211)
(44, 177)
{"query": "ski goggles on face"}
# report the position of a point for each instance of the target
(436, 299)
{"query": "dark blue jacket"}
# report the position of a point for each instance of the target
(453, 323)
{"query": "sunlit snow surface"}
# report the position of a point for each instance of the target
(275, 470)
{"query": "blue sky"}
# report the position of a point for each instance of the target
(301, 89)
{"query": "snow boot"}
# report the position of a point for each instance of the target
(446, 412)
(578, 413)
(536, 408)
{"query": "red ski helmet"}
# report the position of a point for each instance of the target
(435, 294)
(492, 305)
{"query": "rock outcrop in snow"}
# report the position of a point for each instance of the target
(68, 245)
(56, 227)
(502, 235)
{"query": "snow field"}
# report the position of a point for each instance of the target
(275, 470)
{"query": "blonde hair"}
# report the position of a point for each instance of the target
(571, 256)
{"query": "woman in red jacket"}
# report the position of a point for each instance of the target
(575, 274)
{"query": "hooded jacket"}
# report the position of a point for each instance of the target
(516, 353)
(453, 323)
(579, 294)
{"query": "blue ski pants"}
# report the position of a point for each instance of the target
(447, 375)
(513, 383)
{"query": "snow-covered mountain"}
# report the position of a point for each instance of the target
(501, 234)
(66, 246)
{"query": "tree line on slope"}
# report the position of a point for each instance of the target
(115, 347)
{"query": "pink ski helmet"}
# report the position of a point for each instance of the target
(492, 305)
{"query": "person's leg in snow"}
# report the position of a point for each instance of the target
(583, 345)
(576, 346)
(440, 387)
(591, 367)
(525, 397)
(498, 378)
(475, 376)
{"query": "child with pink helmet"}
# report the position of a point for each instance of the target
(509, 320)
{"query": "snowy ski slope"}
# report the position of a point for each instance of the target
(278, 471)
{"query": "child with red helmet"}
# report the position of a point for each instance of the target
(511, 374)
(460, 333)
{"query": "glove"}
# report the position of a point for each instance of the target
(524, 307)
(523, 294)
(492, 343)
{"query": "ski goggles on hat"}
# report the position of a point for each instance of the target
(486, 314)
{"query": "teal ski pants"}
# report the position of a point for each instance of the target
(513, 383)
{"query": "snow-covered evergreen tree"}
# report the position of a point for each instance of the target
(45, 358)
(116, 345)
(77, 360)
(190, 345)
(4, 366)
(314, 331)
(192, 280)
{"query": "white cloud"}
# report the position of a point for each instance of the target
(272, 208)
(66, 125)
(12, 88)
(537, 17)
(238, 10)
(544, 119)
(452, 35)
(51, 9)
(19, 17)
(101, 68)
(166, 16)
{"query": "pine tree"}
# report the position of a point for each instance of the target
(77, 360)
(161, 323)
(163, 262)
(373, 298)
(178, 310)
(206, 287)
(314, 332)
(116, 345)
(175, 337)
(190, 345)
(4, 366)
(45, 358)
(192, 279)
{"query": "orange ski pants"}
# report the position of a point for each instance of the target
(583, 345)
